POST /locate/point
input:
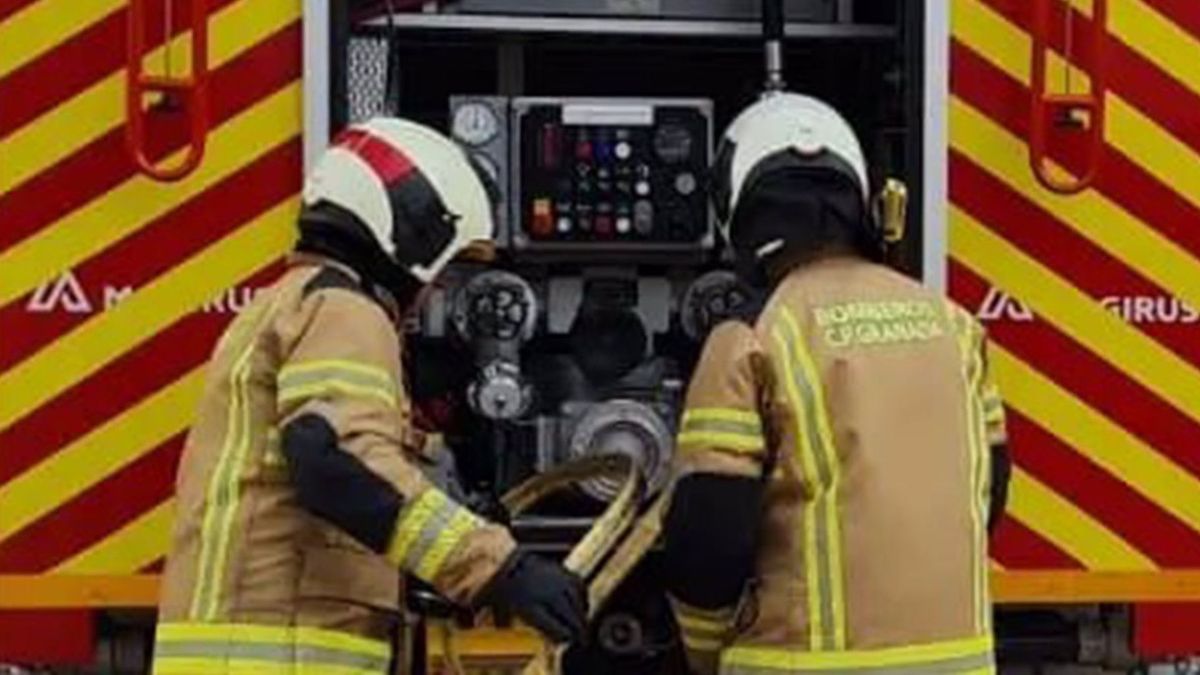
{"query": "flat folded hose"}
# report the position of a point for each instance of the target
(586, 557)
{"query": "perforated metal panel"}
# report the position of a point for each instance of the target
(366, 77)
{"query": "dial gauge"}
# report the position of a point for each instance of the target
(475, 124)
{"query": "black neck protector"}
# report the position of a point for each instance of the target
(333, 232)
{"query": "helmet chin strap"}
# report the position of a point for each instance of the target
(769, 248)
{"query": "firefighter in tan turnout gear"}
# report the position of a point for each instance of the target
(300, 498)
(841, 453)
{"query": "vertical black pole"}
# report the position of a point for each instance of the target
(773, 30)
(339, 46)
(912, 44)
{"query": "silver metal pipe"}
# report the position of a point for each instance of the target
(774, 64)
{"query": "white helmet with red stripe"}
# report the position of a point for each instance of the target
(415, 190)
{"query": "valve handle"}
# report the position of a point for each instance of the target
(1061, 113)
(190, 92)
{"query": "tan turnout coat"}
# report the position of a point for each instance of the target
(872, 395)
(254, 583)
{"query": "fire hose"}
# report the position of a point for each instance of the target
(604, 557)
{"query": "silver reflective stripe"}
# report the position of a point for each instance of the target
(723, 426)
(963, 664)
(433, 528)
(826, 577)
(272, 652)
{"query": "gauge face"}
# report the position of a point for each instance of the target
(475, 124)
(673, 144)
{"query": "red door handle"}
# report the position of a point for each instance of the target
(181, 94)
(1067, 113)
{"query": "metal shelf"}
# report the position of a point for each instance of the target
(495, 23)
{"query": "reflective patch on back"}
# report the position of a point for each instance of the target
(868, 323)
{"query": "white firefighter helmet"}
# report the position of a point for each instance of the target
(784, 130)
(415, 190)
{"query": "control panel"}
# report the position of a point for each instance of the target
(610, 174)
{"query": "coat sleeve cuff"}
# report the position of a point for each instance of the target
(448, 546)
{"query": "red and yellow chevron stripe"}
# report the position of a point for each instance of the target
(107, 308)
(1104, 406)
(115, 287)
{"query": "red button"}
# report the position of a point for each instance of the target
(543, 218)
(604, 225)
(583, 151)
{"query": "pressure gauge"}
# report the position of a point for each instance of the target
(475, 124)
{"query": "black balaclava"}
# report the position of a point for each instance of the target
(810, 211)
(333, 232)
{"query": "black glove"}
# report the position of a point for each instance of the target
(543, 594)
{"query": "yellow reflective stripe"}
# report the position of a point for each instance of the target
(701, 621)
(970, 344)
(816, 619)
(412, 521)
(233, 632)
(748, 417)
(463, 523)
(273, 453)
(980, 490)
(318, 378)
(222, 494)
(265, 649)
(725, 614)
(704, 630)
(702, 644)
(812, 416)
(428, 532)
(695, 624)
(195, 666)
(932, 654)
(329, 387)
(716, 440)
(722, 429)
(380, 375)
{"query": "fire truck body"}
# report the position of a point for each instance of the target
(114, 285)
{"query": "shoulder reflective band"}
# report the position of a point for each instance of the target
(428, 531)
(969, 656)
(315, 379)
(284, 650)
(722, 429)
